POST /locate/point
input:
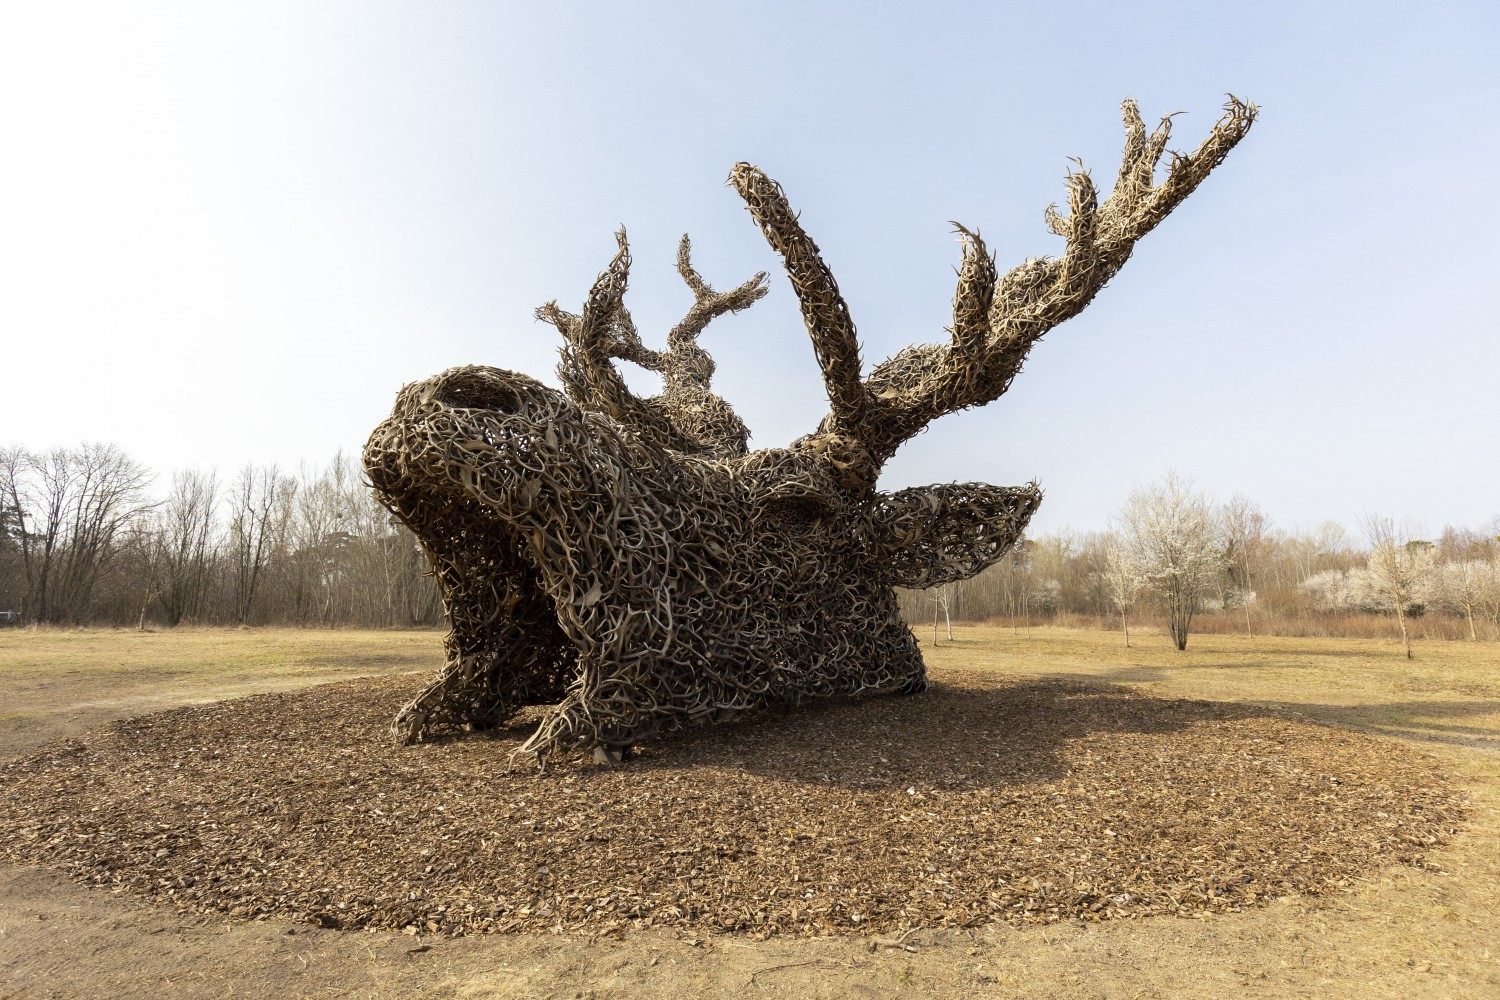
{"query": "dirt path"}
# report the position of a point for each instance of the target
(1400, 933)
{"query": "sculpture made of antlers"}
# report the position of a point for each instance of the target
(628, 562)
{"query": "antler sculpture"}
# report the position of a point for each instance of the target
(630, 561)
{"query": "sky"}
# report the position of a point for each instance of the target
(229, 233)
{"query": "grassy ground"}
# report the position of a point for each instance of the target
(63, 682)
(1400, 933)
(1449, 694)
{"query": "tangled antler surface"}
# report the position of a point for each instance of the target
(630, 562)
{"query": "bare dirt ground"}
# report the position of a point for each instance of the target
(1397, 931)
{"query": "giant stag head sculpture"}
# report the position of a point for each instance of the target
(627, 561)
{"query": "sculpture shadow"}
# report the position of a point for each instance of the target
(1472, 722)
(973, 733)
(1446, 722)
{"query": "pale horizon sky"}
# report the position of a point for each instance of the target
(230, 233)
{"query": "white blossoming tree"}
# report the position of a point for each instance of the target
(1469, 587)
(1167, 532)
(1122, 579)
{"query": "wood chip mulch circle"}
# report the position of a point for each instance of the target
(984, 799)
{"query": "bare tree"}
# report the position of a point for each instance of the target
(1400, 567)
(67, 509)
(316, 542)
(186, 528)
(37, 489)
(1244, 529)
(110, 496)
(942, 603)
(259, 509)
(13, 582)
(1122, 579)
(1018, 583)
(1167, 531)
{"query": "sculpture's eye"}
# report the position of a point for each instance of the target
(795, 513)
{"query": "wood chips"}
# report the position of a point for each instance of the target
(982, 799)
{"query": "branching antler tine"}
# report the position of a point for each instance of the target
(919, 384)
(685, 416)
(1136, 165)
(709, 303)
(625, 344)
(972, 300)
(1080, 229)
(824, 312)
(685, 268)
(603, 331)
(1188, 171)
(605, 301)
(566, 322)
(569, 369)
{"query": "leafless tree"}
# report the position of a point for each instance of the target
(187, 528)
(110, 496)
(942, 603)
(13, 584)
(1400, 566)
(36, 492)
(1244, 527)
(259, 509)
(315, 544)
(69, 507)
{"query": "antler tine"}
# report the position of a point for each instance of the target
(690, 274)
(834, 338)
(1141, 155)
(603, 331)
(625, 344)
(606, 299)
(972, 301)
(708, 303)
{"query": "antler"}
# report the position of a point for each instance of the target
(996, 319)
(686, 416)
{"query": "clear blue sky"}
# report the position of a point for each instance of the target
(230, 232)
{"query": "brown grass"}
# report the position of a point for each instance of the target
(1450, 694)
(65, 682)
(1439, 627)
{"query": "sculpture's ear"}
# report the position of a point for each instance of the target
(929, 535)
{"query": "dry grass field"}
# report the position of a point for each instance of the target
(1396, 932)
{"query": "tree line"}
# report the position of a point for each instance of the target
(83, 541)
(1174, 557)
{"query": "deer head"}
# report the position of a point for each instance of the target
(629, 562)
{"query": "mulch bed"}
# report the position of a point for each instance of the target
(984, 799)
